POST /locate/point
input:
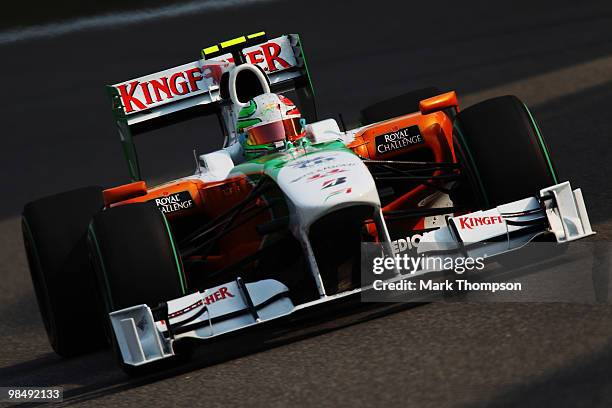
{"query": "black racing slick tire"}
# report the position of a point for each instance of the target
(54, 233)
(396, 106)
(502, 151)
(135, 256)
(136, 262)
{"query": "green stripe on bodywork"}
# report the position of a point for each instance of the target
(272, 164)
(176, 257)
(301, 47)
(542, 145)
(471, 159)
(125, 133)
(108, 297)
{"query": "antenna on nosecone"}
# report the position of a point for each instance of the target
(197, 162)
(342, 122)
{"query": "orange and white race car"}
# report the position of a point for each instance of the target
(273, 221)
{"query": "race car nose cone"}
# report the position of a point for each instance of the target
(324, 180)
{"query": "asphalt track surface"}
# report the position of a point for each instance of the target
(57, 134)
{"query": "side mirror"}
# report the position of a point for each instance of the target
(439, 102)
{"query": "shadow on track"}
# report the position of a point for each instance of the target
(58, 371)
(105, 378)
(583, 384)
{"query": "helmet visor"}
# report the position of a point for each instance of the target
(293, 128)
(287, 129)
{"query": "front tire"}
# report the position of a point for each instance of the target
(503, 153)
(136, 258)
(136, 262)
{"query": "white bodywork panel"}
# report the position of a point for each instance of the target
(320, 182)
(567, 213)
(216, 165)
(215, 311)
(565, 216)
(324, 131)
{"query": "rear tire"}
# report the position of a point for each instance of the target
(54, 231)
(503, 153)
(397, 106)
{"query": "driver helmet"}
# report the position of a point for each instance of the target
(267, 122)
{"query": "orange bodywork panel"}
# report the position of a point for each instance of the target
(439, 102)
(207, 201)
(380, 142)
(165, 197)
(124, 192)
(435, 129)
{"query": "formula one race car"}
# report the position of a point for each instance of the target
(273, 221)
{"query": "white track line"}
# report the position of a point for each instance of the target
(118, 19)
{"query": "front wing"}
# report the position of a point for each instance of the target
(146, 334)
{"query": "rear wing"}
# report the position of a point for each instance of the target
(195, 89)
